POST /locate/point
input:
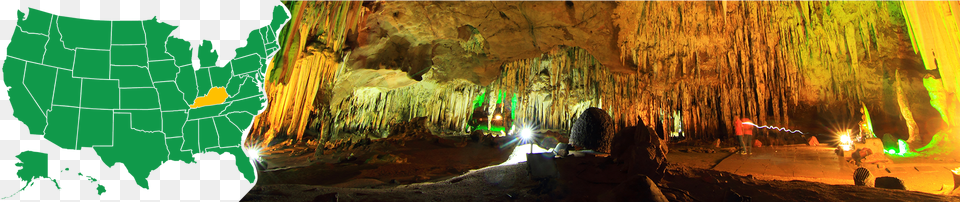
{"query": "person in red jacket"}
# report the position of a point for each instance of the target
(744, 129)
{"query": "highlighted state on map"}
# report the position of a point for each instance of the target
(216, 96)
(64, 133)
(103, 84)
(100, 94)
(96, 128)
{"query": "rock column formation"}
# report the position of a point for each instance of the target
(689, 67)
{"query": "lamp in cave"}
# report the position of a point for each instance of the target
(253, 152)
(497, 117)
(845, 141)
(903, 147)
(526, 134)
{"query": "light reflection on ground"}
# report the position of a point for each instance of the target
(520, 153)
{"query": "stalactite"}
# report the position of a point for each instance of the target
(766, 65)
(299, 75)
(934, 29)
(371, 110)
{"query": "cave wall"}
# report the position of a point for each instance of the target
(804, 65)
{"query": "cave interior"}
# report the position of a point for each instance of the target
(424, 100)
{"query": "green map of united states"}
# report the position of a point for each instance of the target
(130, 91)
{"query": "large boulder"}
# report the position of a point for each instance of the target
(593, 130)
(890, 183)
(875, 144)
(642, 150)
(623, 142)
(861, 154)
(639, 188)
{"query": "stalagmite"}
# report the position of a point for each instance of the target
(905, 111)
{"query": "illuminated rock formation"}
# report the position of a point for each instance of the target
(687, 68)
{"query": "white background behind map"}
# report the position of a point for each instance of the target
(212, 178)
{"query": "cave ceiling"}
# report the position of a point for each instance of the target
(786, 63)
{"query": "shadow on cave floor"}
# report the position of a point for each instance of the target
(382, 163)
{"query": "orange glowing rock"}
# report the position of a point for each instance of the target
(216, 96)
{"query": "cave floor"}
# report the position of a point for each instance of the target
(381, 162)
(821, 164)
(448, 170)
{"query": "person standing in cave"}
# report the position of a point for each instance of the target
(745, 134)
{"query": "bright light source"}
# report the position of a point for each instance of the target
(526, 133)
(253, 153)
(903, 147)
(845, 141)
(497, 117)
